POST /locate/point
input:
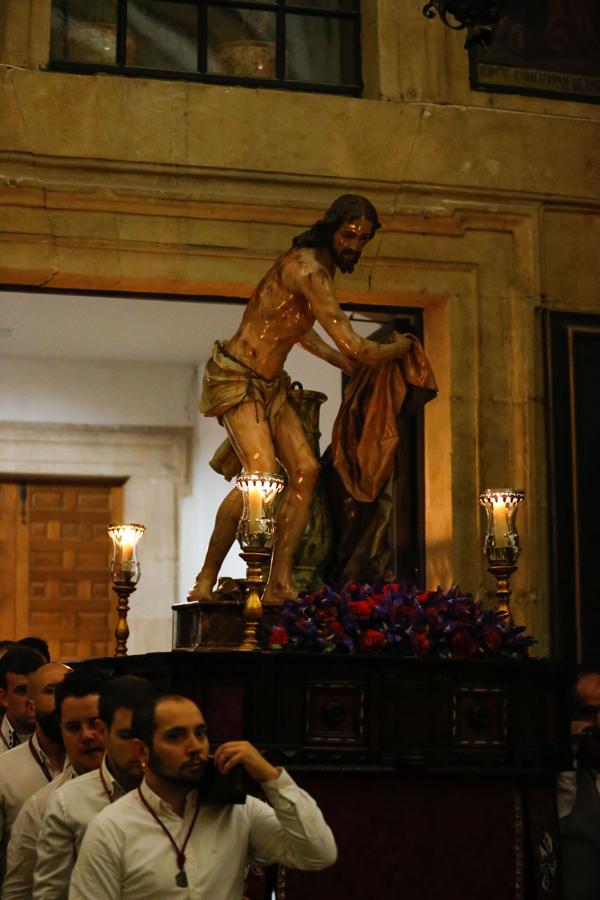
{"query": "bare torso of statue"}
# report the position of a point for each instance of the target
(278, 314)
(297, 291)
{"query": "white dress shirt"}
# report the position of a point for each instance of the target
(21, 853)
(126, 854)
(566, 791)
(9, 738)
(68, 814)
(21, 775)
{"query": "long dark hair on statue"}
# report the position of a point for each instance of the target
(344, 209)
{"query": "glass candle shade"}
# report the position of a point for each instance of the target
(125, 566)
(257, 525)
(501, 539)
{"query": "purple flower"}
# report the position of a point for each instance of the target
(389, 616)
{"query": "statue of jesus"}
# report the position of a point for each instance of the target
(245, 382)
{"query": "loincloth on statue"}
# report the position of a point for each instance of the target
(228, 382)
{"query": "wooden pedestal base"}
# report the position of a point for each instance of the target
(215, 624)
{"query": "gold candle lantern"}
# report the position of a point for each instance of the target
(502, 546)
(125, 574)
(256, 532)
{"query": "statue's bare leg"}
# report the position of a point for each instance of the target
(249, 432)
(296, 456)
(255, 448)
(221, 540)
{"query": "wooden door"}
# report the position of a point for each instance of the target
(54, 564)
(572, 376)
(9, 507)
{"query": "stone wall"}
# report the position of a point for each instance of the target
(490, 205)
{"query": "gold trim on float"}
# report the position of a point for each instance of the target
(355, 739)
(519, 853)
(484, 742)
(281, 883)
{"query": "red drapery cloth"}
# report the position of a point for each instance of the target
(365, 432)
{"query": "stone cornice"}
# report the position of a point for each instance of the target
(73, 449)
(57, 182)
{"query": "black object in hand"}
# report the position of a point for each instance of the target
(223, 790)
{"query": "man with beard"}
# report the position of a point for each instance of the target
(19, 719)
(74, 805)
(245, 384)
(31, 765)
(76, 700)
(166, 839)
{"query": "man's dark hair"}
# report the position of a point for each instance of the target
(78, 684)
(126, 692)
(38, 644)
(143, 723)
(20, 661)
(4, 645)
(344, 209)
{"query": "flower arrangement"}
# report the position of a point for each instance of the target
(386, 617)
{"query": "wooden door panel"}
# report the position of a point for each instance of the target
(60, 565)
(70, 557)
(8, 555)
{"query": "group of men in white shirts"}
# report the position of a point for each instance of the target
(102, 794)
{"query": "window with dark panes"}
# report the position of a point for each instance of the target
(295, 44)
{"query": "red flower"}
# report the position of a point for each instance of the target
(359, 608)
(407, 611)
(425, 595)
(463, 642)
(325, 612)
(278, 638)
(420, 642)
(370, 639)
(492, 636)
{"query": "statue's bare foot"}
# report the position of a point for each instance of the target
(202, 590)
(276, 595)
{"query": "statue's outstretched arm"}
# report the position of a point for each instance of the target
(317, 287)
(318, 347)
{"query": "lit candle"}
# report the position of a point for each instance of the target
(127, 548)
(255, 506)
(124, 565)
(500, 523)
